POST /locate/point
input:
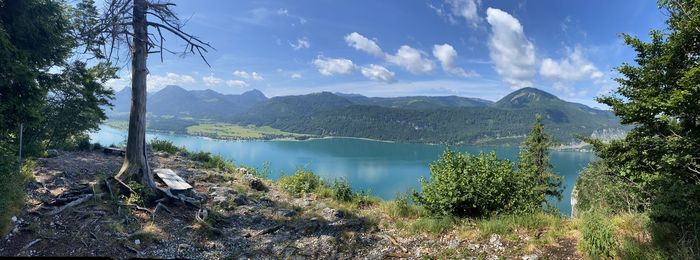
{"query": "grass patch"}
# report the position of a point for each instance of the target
(233, 131)
(12, 194)
(402, 207)
(508, 224)
(431, 225)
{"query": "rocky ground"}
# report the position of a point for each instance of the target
(249, 218)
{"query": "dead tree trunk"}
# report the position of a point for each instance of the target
(135, 165)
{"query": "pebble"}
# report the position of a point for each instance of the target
(137, 242)
(530, 257)
(14, 219)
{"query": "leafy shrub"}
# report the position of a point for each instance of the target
(465, 185)
(12, 192)
(213, 161)
(598, 235)
(97, 146)
(83, 143)
(165, 146)
(597, 186)
(342, 191)
(303, 181)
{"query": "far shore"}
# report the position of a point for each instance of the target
(580, 147)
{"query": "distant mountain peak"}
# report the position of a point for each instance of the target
(525, 97)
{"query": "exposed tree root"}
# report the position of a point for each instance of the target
(71, 204)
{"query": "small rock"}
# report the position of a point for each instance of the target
(473, 247)
(240, 200)
(495, 242)
(137, 242)
(254, 182)
(14, 219)
(530, 257)
(453, 244)
(286, 212)
(242, 171)
(51, 153)
(183, 247)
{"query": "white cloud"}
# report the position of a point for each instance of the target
(156, 82)
(360, 42)
(252, 75)
(466, 9)
(377, 73)
(295, 76)
(330, 66)
(456, 10)
(211, 80)
(236, 83)
(565, 72)
(447, 54)
(302, 43)
(511, 52)
(411, 59)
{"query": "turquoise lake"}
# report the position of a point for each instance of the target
(383, 168)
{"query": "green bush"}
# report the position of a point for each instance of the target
(465, 185)
(597, 186)
(598, 235)
(84, 143)
(12, 193)
(303, 181)
(213, 161)
(165, 146)
(342, 191)
(97, 146)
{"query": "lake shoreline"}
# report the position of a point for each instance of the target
(561, 147)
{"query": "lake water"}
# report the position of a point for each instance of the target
(383, 168)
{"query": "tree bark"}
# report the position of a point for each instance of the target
(135, 165)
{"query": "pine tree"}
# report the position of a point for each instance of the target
(535, 170)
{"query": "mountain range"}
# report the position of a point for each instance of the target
(432, 119)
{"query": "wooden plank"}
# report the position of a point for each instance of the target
(110, 150)
(171, 179)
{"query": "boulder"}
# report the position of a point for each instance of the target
(254, 182)
(51, 153)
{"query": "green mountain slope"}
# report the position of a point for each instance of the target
(417, 102)
(503, 122)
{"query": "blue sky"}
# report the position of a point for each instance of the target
(473, 48)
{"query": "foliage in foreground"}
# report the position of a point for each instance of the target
(12, 193)
(213, 161)
(464, 185)
(165, 146)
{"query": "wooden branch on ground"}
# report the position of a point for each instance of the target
(396, 243)
(72, 204)
(30, 244)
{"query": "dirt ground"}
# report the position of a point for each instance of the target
(250, 223)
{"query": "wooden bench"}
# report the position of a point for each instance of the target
(174, 182)
(113, 150)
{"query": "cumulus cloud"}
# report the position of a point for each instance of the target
(411, 59)
(362, 43)
(156, 82)
(236, 83)
(456, 10)
(211, 80)
(377, 73)
(512, 53)
(252, 75)
(295, 76)
(330, 66)
(565, 72)
(447, 54)
(301, 43)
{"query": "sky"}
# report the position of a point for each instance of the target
(472, 48)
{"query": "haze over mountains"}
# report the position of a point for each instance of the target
(449, 119)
